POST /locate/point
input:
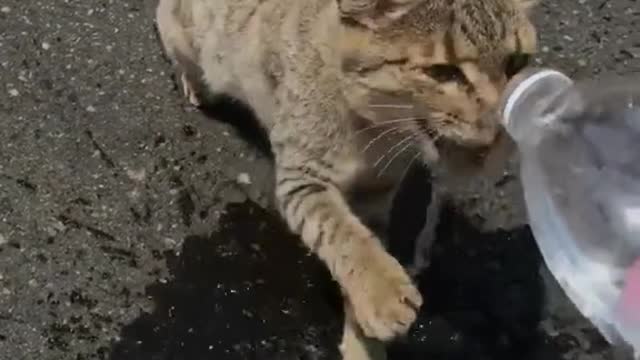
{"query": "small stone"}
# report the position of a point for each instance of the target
(13, 92)
(5, 9)
(33, 283)
(169, 242)
(244, 179)
(138, 175)
(3, 240)
(46, 46)
(51, 231)
(6, 291)
(582, 63)
(91, 109)
(59, 226)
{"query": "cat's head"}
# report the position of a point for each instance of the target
(435, 68)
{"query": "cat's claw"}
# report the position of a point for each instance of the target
(385, 301)
(189, 91)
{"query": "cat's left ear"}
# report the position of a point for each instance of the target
(375, 14)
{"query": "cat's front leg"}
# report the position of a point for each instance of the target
(383, 297)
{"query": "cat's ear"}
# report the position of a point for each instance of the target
(375, 13)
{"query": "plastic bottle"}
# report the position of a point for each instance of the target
(580, 169)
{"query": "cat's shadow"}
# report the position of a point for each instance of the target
(237, 114)
(250, 290)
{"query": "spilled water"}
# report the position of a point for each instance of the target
(250, 291)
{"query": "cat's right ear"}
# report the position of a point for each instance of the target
(375, 14)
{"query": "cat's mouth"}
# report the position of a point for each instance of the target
(436, 145)
(430, 143)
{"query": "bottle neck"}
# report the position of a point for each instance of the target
(526, 98)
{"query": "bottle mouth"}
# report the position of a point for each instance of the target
(520, 84)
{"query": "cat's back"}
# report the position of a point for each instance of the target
(231, 17)
(244, 46)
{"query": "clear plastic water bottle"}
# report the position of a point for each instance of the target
(580, 169)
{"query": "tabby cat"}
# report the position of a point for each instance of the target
(330, 78)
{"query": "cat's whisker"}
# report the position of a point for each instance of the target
(400, 143)
(380, 136)
(391, 106)
(395, 156)
(413, 159)
(387, 122)
(393, 121)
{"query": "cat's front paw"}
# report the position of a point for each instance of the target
(385, 301)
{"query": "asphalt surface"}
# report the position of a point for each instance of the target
(134, 227)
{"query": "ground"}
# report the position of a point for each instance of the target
(133, 227)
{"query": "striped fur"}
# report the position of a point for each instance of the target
(332, 80)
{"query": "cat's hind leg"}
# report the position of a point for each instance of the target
(173, 19)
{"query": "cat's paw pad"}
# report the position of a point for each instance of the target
(384, 299)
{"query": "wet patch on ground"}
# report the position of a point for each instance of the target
(251, 291)
(247, 291)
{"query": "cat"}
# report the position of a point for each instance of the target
(331, 79)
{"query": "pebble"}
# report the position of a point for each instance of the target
(46, 46)
(5, 9)
(244, 179)
(169, 242)
(13, 92)
(138, 175)
(3, 239)
(91, 109)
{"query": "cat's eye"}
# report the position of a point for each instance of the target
(445, 73)
(515, 63)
